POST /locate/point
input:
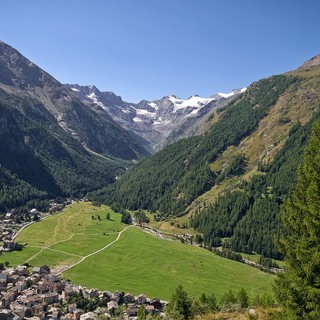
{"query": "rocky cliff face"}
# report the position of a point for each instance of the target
(20, 72)
(315, 61)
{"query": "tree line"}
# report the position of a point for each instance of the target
(183, 306)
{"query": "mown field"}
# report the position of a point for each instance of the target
(137, 262)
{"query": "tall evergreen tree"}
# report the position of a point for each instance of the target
(180, 305)
(298, 289)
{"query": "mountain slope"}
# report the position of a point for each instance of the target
(91, 126)
(38, 159)
(178, 174)
(159, 122)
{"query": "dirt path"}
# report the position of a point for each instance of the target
(60, 251)
(56, 229)
(35, 255)
(62, 240)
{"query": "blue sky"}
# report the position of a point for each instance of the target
(146, 49)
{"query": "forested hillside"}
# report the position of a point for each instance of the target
(51, 144)
(247, 210)
(38, 159)
(249, 215)
(171, 179)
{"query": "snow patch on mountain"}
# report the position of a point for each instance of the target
(136, 119)
(232, 93)
(145, 112)
(159, 121)
(193, 102)
(225, 95)
(153, 105)
(94, 98)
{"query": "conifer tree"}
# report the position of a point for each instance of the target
(180, 305)
(298, 288)
(243, 299)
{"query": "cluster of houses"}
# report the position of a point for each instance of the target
(56, 206)
(8, 227)
(39, 294)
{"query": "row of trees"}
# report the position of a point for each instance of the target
(183, 306)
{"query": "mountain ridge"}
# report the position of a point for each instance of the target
(155, 122)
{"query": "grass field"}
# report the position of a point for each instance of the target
(140, 262)
(137, 262)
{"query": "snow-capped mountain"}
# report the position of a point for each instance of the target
(156, 122)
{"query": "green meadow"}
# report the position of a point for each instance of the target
(138, 262)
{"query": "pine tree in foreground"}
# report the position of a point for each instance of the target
(298, 289)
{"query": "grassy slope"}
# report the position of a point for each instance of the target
(138, 262)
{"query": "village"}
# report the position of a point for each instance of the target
(37, 293)
(40, 294)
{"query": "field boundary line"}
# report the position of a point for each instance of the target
(60, 251)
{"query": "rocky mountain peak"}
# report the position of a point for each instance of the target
(91, 94)
(55, 102)
(153, 121)
(16, 70)
(315, 61)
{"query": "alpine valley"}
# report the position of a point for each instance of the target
(66, 140)
(217, 168)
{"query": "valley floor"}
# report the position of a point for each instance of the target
(85, 247)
